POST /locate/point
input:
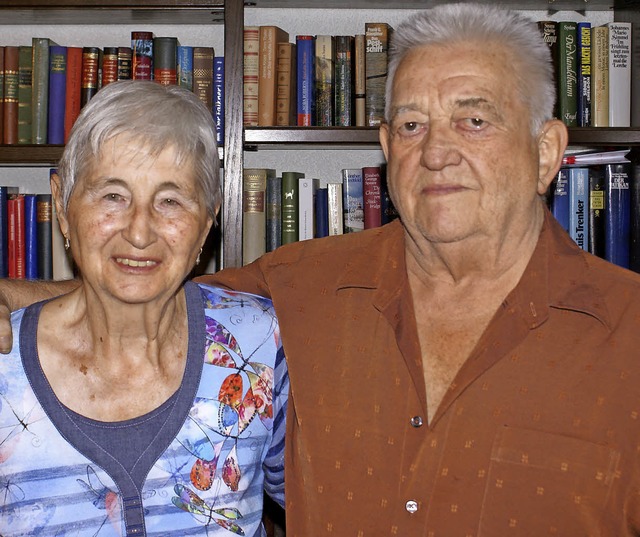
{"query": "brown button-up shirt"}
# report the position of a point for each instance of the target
(538, 434)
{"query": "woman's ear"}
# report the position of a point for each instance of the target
(56, 194)
(552, 142)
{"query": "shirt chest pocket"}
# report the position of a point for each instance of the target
(546, 484)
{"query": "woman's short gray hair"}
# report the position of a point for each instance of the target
(449, 24)
(156, 115)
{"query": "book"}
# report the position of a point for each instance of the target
(619, 74)
(57, 94)
(617, 213)
(387, 207)
(634, 225)
(30, 237)
(371, 185)
(73, 89)
(286, 85)
(549, 31)
(635, 74)
(40, 89)
(307, 188)
(24, 94)
(597, 207)
(125, 63)
(142, 55)
(322, 212)
(16, 251)
(1, 91)
(254, 185)
(165, 60)
(44, 232)
(343, 81)
(90, 82)
(62, 265)
(359, 80)
(269, 36)
(251, 71)
(352, 199)
(584, 74)
(184, 67)
(218, 98)
(579, 206)
(203, 74)
(335, 209)
(560, 206)
(324, 66)
(600, 76)
(377, 35)
(305, 102)
(273, 212)
(10, 94)
(567, 73)
(5, 193)
(109, 72)
(290, 216)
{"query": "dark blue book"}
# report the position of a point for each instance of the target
(57, 94)
(5, 192)
(30, 237)
(44, 222)
(597, 211)
(579, 206)
(184, 54)
(560, 198)
(273, 212)
(218, 98)
(618, 213)
(305, 73)
(584, 74)
(322, 212)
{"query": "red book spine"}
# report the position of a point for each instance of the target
(15, 213)
(371, 186)
(11, 62)
(142, 55)
(74, 88)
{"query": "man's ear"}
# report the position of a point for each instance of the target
(383, 135)
(56, 194)
(552, 142)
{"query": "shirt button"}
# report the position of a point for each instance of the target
(411, 506)
(416, 421)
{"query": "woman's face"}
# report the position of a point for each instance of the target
(136, 223)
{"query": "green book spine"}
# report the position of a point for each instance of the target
(290, 217)
(40, 90)
(568, 73)
(24, 95)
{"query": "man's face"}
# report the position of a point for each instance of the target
(461, 159)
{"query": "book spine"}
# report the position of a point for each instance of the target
(600, 76)
(125, 63)
(634, 226)
(203, 75)
(11, 97)
(290, 206)
(24, 95)
(324, 66)
(165, 60)
(90, 77)
(359, 80)
(270, 36)
(184, 73)
(306, 207)
(568, 73)
(16, 237)
(109, 65)
(254, 181)
(377, 36)
(617, 214)
(619, 74)
(61, 262)
(218, 98)
(584, 77)
(334, 209)
(73, 92)
(1, 92)
(560, 198)
(597, 207)
(40, 90)
(579, 206)
(274, 212)
(371, 184)
(549, 31)
(343, 102)
(142, 55)
(635, 74)
(388, 209)
(251, 72)
(4, 232)
(43, 230)
(285, 96)
(353, 200)
(305, 107)
(30, 237)
(322, 212)
(57, 93)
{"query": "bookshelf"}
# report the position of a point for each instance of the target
(229, 17)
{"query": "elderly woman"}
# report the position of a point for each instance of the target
(139, 403)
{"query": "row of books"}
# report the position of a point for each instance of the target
(593, 71)
(288, 207)
(599, 206)
(43, 86)
(316, 80)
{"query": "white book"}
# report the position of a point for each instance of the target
(334, 193)
(306, 207)
(619, 74)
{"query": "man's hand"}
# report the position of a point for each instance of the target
(6, 338)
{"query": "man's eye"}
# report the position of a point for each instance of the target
(410, 127)
(475, 123)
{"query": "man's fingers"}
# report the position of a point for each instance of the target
(6, 336)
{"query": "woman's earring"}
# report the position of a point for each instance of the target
(67, 243)
(198, 258)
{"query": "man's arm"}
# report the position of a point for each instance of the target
(16, 294)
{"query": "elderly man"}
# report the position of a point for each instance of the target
(465, 370)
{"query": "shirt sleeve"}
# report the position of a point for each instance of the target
(250, 279)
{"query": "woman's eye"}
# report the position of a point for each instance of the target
(112, 196)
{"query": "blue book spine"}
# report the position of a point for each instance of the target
(57, 94)
(322, 212)
(305, 69)
(184, 55)
(579, 206)
(584, 74)
(30, 237)
(218, 97)
(560, 198)
(617, 214)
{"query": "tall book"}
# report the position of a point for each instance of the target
(352, 199)
(44, 231)
(10, 94)
(560, 206)
(322, 212)
(372, 185)
(30, 237)
(635, 74)
(549, 31)
(90, 82)
(634, 229)
(254, 185)
(286, 85)
(617, 213)
(218, 98)
(125, 63)
(184, 67)
(142, 55)
(203, 74)
(584, 74)
(324, 65)
(73, 91)
(109, 71)
(619, 74)
(1, 91)
(5, 193)
(597, 208)
(600, 76)
(165, 60)
(24, 94)
(57, 94)
(15, 215)
(343, 95)
(251, 72)
(568, 73)
(359, 80)
(579, 206)
(269, 37)
(290, 216)
(274, 212)
(305, 103)
(40, 89)
(335, 209)
(307, 189)
(377, 35)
